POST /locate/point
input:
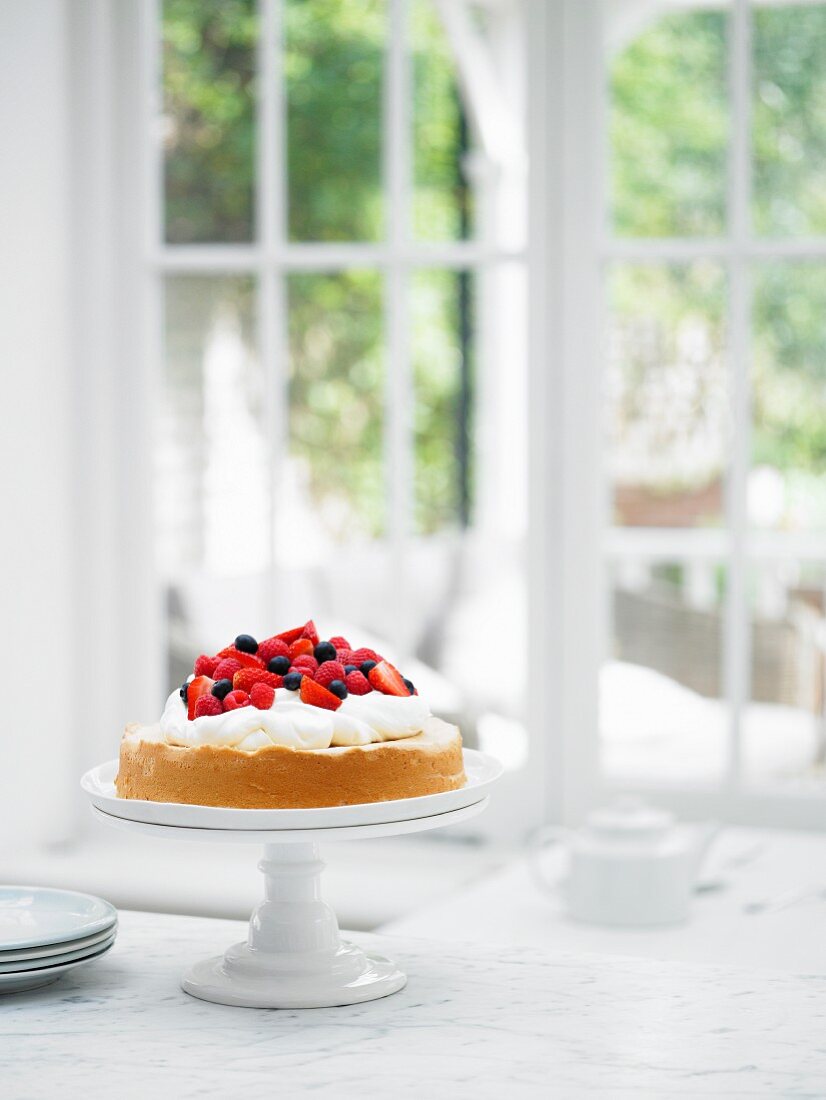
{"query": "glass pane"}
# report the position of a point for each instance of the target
(668, 123)
(667, 395)
(337, 401)
(333, 71)
(443, 379)
(212, 463)
(442, 197)
(209, 124)
(784, 725)
(789, 127)
(787, 488)
(662, 715)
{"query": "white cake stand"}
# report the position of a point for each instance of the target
(294, 956)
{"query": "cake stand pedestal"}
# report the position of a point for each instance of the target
(293, 956)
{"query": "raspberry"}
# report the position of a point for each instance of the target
(359, 656)
(248, 660)
(208, 704)
(272, 647)
(226, 668)
(236, 699)
(246, 677)
(262, 696)
(357, 683)
(205, 666)
(329, 671)
(306, 663)
(201, 685)
(339, 642)
(301, 647)
(345, 656)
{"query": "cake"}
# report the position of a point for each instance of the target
(291, 722)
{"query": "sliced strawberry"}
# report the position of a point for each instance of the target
(387, 679)
(247, 660)
(310, 632)
(244, 680)
(318, 696)
(300, 648)
(289, 636)
(201, 685)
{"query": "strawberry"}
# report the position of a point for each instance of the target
(248, 660)
(246, 677)
(289, 636)
(317, 696)
(359, 656)
(208, 704)
(226, 668)
(205, 666)
(236, 699)
(201, 685)
(387, 679)
(306, 663)
(272, 647)
(357, 683)
(329, 671)
(300, 648)
(310, 632)
(339, 642)
(262, 696)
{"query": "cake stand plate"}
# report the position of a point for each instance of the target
(294, 956)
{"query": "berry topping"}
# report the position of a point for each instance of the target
(387, 679)
(410, 686)
(236, 699)
(339, 688)
(244, 680)
(365, 667)
(201, 685)
(226, 668)
(208, 704)
(248, 660)
(262, 696)
(246, 643)
(183, 690)
(301, 648)
(329, 671)
(339, 642)
(272, 647)
(292, 681)
(279, 664)
(351, 668)
(345, 656)
(357, 683)
(325, 651)
(306, 664)
(362, 655)
(290, 636)
(222, 688)
(318, 696)
(310, 632)
(205, 666)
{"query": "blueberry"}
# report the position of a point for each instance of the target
(221, 688)
(292, 681)
(366, 666)
(324, 651)
(246, 643)
(184, 690)
(339, 688)
(278, 665)
(351, 668)
(409, 685)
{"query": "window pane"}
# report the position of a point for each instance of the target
(209, 128)
(662, 715)
(783, 726)
(789, 129)
(787, 488)
(443, 369)
(333, 72)
(668, 125)
(667, 394)
(337, 400)
(442, 198)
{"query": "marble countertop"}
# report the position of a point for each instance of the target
(474, 1021)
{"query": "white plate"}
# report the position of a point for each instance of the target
(99, 784)
(31, 979)
(37, 916)
(21, 966)
(57, 948)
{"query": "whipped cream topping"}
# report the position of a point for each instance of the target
(360, 720)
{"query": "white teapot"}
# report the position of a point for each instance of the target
(629, 865)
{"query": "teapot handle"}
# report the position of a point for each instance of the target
(538, 841)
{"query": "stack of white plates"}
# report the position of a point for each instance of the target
(45, 933)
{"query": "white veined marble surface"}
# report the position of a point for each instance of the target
(474, 1021)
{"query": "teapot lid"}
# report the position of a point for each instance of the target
(629, 818)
